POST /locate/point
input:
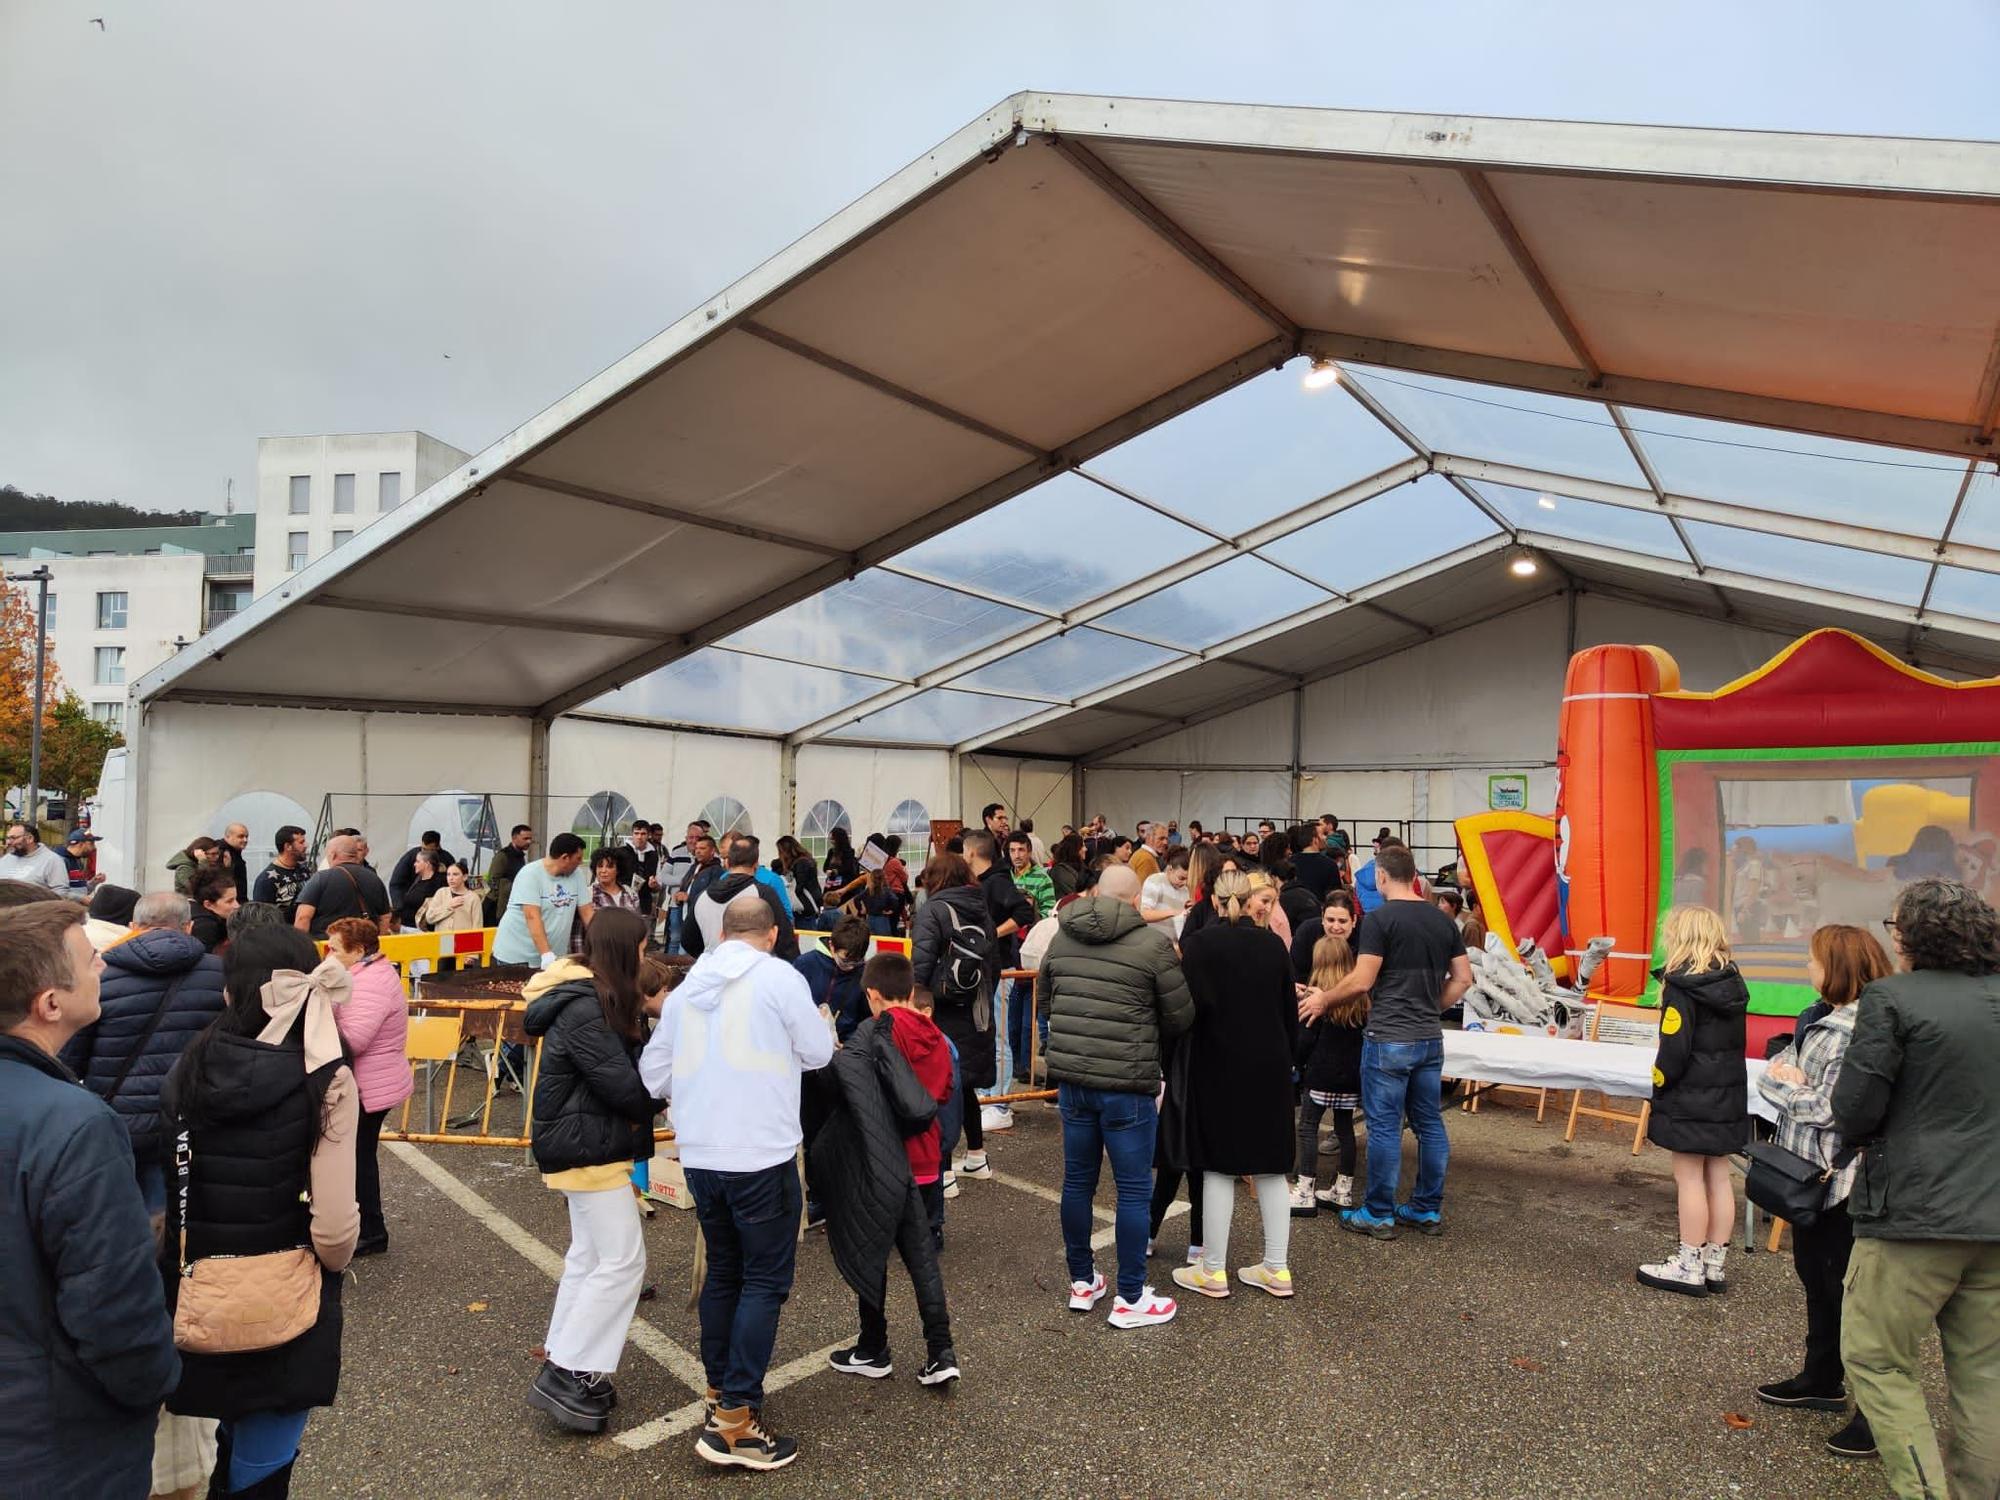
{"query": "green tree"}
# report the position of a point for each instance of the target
(73, 748)
(17, 686)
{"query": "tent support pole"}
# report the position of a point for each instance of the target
(788, 787)
(538, 778)
(1569, 607)
(1298, 751)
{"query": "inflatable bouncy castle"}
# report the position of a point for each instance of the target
(1805, 793)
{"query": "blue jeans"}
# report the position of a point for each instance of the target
(261, 1443)
(1398, 1079)
(1098, 1123)
(674, 910)
(751, 1223)
(1020, 1002)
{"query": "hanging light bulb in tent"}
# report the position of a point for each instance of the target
(1323, 373)
(1522, 564)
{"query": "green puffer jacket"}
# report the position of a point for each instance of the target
(1113, 992)
(1919, 1087)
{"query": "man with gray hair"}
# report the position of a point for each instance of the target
(345, 888)
(1115, 997)
(160, 990)
(727, 1055)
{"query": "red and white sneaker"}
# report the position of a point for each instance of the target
(1149, 1308)
(1084, 1295)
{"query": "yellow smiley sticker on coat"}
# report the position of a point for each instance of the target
(1670, 1022)
(1659, 1079)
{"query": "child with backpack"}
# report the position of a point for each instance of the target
(1701, 1096)
(891, 1077)
(1330, 1068)
(952, 948)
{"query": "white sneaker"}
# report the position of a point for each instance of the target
(1084, 1295)
(975, 1167)
(1304, 1205)
(1148, 1309)
(1341, 1195)
(996, 1117)
(1714, 1268)
(1683, 1273)
(951, 1185)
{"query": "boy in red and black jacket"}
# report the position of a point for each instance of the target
(888, 981)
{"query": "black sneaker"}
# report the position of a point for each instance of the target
(857, 1361)
(1855, 1440)
(737, 1437)
(562, 1395)
(1800, 1392)
(942, 1370)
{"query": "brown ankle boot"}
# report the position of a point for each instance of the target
(736, 1436)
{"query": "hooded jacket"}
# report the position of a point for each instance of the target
(706, 909)
(590, 1107)
(1920, 1086)
(838, 989)
(1701, 1091)
(88, 1350)
(860, 1167)
(183, 866)
(375, 1023)
(970, 1024)
(1114, 993)
(137, 973)
(727, 1055)
(929, 1055)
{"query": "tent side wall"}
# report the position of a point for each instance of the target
(1416, 735)
(1041, 790)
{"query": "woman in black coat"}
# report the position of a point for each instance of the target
(1701, 1095)
(1240, 1082)
(964, 1015)
(592, 1119)
(264, 1112)
(793, 863)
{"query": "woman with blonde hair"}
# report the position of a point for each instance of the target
(1239, 1117)
(1701, 1095)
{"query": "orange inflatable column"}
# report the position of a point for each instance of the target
(1607, 808)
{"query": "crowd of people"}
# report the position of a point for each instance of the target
(1201, 1003)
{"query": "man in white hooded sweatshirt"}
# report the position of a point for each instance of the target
(727, 1056)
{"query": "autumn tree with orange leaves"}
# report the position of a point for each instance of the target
(17, 685)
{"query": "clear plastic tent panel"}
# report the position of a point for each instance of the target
(731, 691)
(1056, 545)
(1899, 580)
(1390, 534)
(1253, 453)
(1799, 474)
(1553, 433)
(939, 716)
(1963, 591)
(1979, 518)
(882, 622)
(1066, 665)
(1559, 515)
(1218, 604)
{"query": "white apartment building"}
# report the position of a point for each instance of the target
(314, 493)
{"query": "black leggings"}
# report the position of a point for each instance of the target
(1343, 1133)
(1166, 1183)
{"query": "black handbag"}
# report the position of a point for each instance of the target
(1786, 1185)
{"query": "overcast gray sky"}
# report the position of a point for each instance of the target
(232, 218)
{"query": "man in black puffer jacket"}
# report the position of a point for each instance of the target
(160, 989)
(1114, 994)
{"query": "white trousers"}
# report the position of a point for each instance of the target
(1218, 1200)
(601, 1279)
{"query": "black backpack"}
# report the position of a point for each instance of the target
(961, 968)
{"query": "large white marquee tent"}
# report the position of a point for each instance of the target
(1004, 484)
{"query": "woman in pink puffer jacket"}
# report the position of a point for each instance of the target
(375, 1024)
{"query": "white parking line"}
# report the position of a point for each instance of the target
(689, 1417)
(663, 1351)
(1103, 1216)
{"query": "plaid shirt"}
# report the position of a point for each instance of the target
(1805, 1110)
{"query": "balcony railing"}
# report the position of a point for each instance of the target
(215, 617)
(228, 565)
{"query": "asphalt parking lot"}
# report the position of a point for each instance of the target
(1513, 1357)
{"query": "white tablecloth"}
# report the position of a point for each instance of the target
(1548, 1062)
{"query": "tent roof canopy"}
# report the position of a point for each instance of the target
(1001, 454)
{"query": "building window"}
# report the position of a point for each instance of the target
(912, 820)
(343, 494)
(295, 551)
(52, 612)
(389, 491)
(111, 611)
(820, 820)
(725, 815)
(112, 714)
(603, 820)
(110, 666)
(342, 538)
(302, 491)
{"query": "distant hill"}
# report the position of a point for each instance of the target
(20, 511)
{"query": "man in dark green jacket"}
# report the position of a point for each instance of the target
(1114, 995)
(1919, 1089)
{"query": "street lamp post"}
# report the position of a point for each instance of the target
(41, 577)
